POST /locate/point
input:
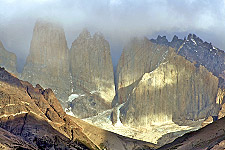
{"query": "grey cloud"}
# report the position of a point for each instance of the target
(118, 20)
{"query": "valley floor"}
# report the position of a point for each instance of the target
(158, 134)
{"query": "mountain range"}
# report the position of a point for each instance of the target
(160, 91)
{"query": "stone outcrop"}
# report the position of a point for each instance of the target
(92, 74)
(7, 59)
(176, 91)
(48, 61)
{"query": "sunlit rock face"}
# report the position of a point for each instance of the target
(92, 72)
(7, 59)
(163, 92)
(138, 57)
(47, 63)
(176, 91)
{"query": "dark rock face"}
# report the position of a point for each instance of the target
(88, 105)
(7, 59)
(10, 141)
(48, 63)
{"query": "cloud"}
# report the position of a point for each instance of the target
(118, 20)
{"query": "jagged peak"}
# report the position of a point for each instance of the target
(161, 40)
(175, 38)
(176, 42)
(98, 35)
(85, 33)
(161, 37)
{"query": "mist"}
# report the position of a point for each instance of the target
(118, 20)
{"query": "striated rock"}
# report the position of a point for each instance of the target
(138, 57)
(48, 63)
(176, 91)
(7, 59)
(92, 73)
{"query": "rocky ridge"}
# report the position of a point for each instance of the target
(196, 50)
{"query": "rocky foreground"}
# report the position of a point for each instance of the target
(32, 118)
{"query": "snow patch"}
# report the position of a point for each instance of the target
(69, 112)
(92, 92)
(74, 96)
(118, 123)
(193, 41)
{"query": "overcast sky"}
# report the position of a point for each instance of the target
(118, 20)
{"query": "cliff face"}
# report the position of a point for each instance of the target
(174, 92)
(92, 74)
(7, 59)
(164, 91)
(47, 63)
(138, 57)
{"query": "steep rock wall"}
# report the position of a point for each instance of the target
(48, 63)
(177, 90)
(91, 65)
(138, 57)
